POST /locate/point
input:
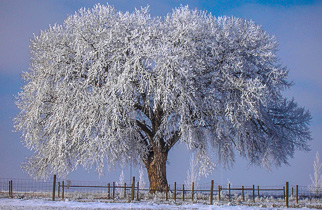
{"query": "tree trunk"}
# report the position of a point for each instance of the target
(156, 169)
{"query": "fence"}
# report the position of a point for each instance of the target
(206, 193)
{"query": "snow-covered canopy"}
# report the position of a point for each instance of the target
(105, 86)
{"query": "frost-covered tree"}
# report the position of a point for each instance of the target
(193, 172)
(316, 186)
(107, 86)
(141, 178)
(120, 183)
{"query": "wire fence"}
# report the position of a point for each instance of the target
(20, 188)
(207, 193)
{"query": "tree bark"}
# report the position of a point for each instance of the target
(156, 169)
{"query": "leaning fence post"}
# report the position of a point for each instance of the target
(211, 191)
(192, 190)
(63, 190)
(54, 187)
(297, 194)
(175, 192)
(286, 199)
(132, 190)
(253, 193)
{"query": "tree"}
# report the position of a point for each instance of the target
(141, 178)
(316, 186)
(120, 183)
(193, 173)
(107, 86)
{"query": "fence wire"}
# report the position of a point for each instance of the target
(25, 187)
(89, 190)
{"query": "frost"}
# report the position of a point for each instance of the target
(142, 182)
(316, 186)
(120, 183)
(193, 172)
(107, 87)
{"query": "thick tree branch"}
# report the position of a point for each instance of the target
(175, 138)
(146, 130)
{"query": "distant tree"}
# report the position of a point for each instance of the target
(120, 183)
(106, 87)
(141, 178)
(316, 186)
(193, 172)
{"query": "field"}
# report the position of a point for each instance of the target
(43, 204)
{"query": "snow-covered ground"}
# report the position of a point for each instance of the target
(40, 204)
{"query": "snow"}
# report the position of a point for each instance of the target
(107, 85)
(16, 204)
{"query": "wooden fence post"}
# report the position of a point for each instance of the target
(253, 193)
(211, 191)
(192, 190)
(284, 197)
(166, 193)
(287, 194)
(54, 188)
(132, 190)
(10, 189)
(124, 189)
(243, 194)
(229, 192)
(219, 189)
(175, 192)
(58, 189)
(183, 192)
(258, 191)
(113, 191)
(137, 192)
(297, 194)
(63, 190)
(108, 191)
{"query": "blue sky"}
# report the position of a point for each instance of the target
(296, 24)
